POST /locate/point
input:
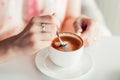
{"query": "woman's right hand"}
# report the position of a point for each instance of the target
(36, 35)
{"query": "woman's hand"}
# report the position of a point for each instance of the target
(36, 35)
(88, 29)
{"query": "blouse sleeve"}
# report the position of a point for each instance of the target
(90, 8)
(10, 17)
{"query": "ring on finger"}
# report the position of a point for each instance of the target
(43, 27)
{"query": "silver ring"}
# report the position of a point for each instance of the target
(43, 27)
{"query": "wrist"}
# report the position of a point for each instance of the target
(67, 25)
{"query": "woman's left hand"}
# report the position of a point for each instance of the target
(88, 29)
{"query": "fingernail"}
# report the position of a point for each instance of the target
(78, 29)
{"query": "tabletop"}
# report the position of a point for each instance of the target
(106, 64)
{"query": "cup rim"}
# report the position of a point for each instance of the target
(67, 52)
(72, 34)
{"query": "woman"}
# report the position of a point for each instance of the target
(43, 18)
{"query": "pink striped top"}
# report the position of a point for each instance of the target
(15, 14)
(33, 9)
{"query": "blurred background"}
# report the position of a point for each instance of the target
(111, 12)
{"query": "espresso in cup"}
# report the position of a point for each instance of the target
(72, 43)
(69, 54)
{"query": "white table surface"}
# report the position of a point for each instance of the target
(106, 64)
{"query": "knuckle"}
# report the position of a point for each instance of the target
(36, 19)
(46, 17)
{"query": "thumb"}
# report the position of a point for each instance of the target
(77, 25)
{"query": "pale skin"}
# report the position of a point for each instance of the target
(29, 42)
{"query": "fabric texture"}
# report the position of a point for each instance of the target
(17, 13)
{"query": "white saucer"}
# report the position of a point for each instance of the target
(46, 66)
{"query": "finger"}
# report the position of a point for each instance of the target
(81, 24)
(45, 19)
(49, 19)
(86, 24)
(77, 25)
(47, 28)
(43, 36)
(48, 34)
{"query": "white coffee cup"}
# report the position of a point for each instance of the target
(66, 58)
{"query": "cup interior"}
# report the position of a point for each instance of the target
(74, 41)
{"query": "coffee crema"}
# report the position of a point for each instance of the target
(72, 43)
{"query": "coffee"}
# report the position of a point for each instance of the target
(73, 43)
(68, 55)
